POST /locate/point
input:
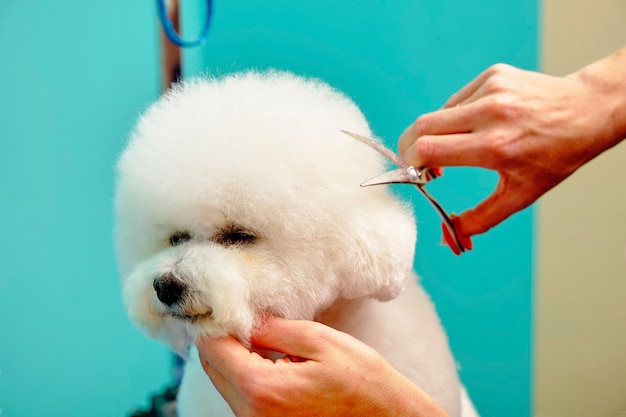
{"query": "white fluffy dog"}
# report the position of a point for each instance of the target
(238, 197)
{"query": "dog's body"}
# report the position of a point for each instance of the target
(240, 197)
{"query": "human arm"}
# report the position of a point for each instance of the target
(325, 373)
(533, 129)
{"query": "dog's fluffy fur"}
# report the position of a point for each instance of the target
(244, 193)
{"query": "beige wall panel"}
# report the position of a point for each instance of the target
(580, 346)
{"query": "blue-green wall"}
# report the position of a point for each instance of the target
(399, 59)
(75, 75)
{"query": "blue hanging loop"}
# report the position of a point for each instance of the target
(170, 32)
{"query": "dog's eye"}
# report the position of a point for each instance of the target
(179, 238)
(235, 237)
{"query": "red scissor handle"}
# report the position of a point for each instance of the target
(462, 242)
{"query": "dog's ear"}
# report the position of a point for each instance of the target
(380, 250)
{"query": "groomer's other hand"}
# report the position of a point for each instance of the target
(533, 129)
(325, 373)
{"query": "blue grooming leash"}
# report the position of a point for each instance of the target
(170, 32)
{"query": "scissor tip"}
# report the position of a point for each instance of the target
(370, 183)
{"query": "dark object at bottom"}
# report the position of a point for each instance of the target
(162, 404)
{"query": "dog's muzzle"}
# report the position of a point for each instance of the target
(173, 293)
(169, 289)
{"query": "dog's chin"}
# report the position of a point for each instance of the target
(181, 328)
(182, 331)
(192, 318)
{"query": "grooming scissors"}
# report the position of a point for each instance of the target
(419, 177)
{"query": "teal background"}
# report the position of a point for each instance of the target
(76, 74)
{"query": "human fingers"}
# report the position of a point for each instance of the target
(223, 385)
(469, 89)
(500, 205)
(297, 338)
(224, 355)
(228, 364)
(463, 149)
(495, 79)
(305, 340)
(441, 122)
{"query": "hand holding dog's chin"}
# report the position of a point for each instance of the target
(334, 375)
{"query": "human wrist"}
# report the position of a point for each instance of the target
(403, 398)
(606, 80)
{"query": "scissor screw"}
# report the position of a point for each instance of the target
(413, 173)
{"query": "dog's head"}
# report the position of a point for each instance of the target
(240, 196)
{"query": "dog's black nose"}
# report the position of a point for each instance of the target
(169, 289)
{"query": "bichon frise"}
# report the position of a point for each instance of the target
(239, 197)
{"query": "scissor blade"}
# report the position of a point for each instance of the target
(397, 176)
(407, 174)
(386, 152)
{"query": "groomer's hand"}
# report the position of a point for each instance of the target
(533, 129)
(325, 373)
